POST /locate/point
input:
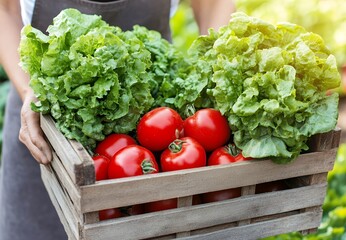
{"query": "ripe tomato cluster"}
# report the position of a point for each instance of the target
(165, 142)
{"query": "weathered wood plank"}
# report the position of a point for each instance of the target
(184, 202)
(214, 228)
(168, 237)
(190, 218)
(88, 164)
(325, 141)
(314, 179)
(135, 190)
(67, 217)
(65, 180)
(247, 190)
(336, 137)
(274, 216)
(92, 217)
(71, 161)
(307, 180)
(264, 229)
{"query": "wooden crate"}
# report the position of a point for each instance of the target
(70, 182)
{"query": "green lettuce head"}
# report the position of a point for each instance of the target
(92, 78)
(271, 82)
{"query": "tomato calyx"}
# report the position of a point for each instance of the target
(232, 150)
(176, 145)
(147, 166)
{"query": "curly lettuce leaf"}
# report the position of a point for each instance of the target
(270, 81)
(95, 79)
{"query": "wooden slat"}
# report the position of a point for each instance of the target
(194, 217)
(314, 179)
(247, 190)
(65, 211)
(91, 217)
(307, 180)
(72, 238)
(66, 182)
(275, 216)
(214, 228)
(336, 137)
(167, 237)
(58, 208)
(135, 190)
(325, 141)
(264, 229)
(184, 202)
(88, 164)
(71, 161)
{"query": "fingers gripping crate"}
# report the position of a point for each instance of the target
(70, 182)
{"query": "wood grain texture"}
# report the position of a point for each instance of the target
(247, 190)
(70, 188)
(325, 141)
(68, 216)
(264, 229)
(184, 202)
(135, 190)
(189, 218)
(88, 164)
(310, 180)
(71, 161)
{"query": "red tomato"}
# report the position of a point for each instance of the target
(220, 156)
(130, 161)
(135, 209)
(101, 167)
(271, 186)
(208, 127)
(160, 205)
(109, 213)
(183, 153)
(167, 204)
(158, 128)
(221, 195)
(225, 155)
(113, 143)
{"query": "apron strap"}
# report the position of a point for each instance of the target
(153, 14)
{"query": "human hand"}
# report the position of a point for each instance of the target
(31, 133)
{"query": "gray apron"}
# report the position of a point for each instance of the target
(26, 212)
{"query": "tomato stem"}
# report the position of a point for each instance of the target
(176, 146)
(147, 166)
(232, 149)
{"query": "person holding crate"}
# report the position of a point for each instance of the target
(26, 211)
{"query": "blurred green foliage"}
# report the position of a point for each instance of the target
(324, 17)
(184, 27)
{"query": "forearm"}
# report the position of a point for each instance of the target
(212, 13)
(10, 27)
